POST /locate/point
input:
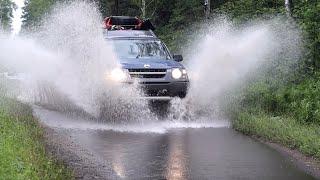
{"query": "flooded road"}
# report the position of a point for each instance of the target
(180, 153)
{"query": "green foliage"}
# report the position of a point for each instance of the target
(247, 10)
(6, 10)
(22, 153)
(300, 101)
(307, 14)
(283, 130)
(180, 20)
(34, 10)
(124, 7)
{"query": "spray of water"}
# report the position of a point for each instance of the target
(226, 55)
(66, 60)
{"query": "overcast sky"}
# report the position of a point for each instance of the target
(17, 21)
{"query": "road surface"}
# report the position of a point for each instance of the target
(178, 153)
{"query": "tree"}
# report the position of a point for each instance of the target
(34, 10)
(6, 10)
(119, 7)
(143, 8)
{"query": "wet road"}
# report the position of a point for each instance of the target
(183, 153)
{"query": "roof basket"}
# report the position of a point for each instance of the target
(126, 23)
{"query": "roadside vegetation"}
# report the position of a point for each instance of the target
(285, 110)
(284, 130)
(22, 148)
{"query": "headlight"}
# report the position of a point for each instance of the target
(119, 75)
(176, 73)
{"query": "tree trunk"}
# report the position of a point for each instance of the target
(207, 8)
(143, 8)
(288, 5)
(116, 5)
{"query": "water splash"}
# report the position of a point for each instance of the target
(225, 56)
(66, 59)
(60, 121)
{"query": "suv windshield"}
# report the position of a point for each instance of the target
(140, 48)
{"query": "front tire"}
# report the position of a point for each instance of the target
(159, 108)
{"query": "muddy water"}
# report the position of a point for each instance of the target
(178, 153)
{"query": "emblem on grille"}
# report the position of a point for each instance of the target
(146, 66)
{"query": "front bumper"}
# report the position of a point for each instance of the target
(165, 89)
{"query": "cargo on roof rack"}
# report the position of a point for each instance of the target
(126, 23)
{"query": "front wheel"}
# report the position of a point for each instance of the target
(160, 108)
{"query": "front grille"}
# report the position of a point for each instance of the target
(147, 70)
(147, 73)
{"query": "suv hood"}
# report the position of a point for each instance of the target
(153, 63)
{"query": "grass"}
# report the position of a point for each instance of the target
(22, 152)
(283, 130)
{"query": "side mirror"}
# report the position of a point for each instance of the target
(178, 58)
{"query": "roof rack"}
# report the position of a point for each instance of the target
(127, 23)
